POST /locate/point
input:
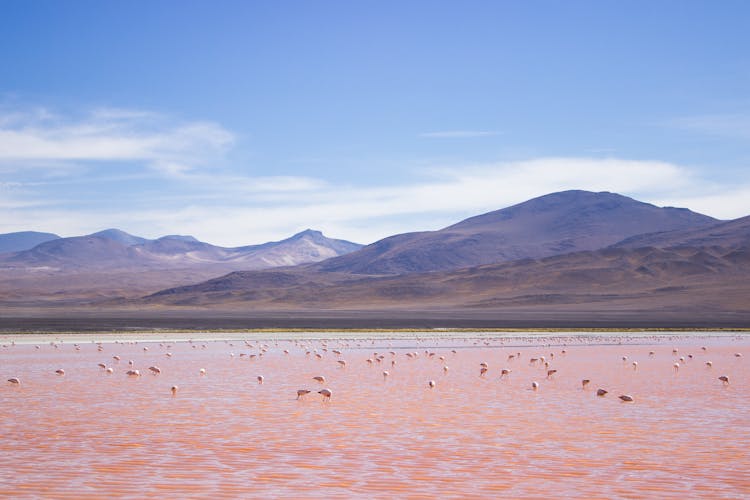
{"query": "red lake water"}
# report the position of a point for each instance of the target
(89, 433)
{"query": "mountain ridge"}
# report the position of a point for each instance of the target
(552, 224)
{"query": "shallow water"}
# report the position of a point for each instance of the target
(88, 433)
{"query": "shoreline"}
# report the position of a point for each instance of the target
(548, 336)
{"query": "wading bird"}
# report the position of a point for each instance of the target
(302, 392)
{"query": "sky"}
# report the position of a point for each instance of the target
(240, 122)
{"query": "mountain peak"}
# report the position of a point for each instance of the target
(307, 232)
(120, 236)
(180, 237)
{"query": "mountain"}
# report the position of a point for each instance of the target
(553, 224)
(116, 250)
(24, 240)
(306, 246)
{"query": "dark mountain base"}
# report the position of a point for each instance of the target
(519, 318)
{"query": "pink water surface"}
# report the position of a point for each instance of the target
(89, 434)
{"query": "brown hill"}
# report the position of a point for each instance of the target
(645, 278)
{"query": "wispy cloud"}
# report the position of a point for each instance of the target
(41, 139)
(725, 125)
(459, 134)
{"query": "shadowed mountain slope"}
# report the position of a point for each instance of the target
(644, 278)
(733, 233)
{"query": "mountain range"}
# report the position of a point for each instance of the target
(112, 263)
(116, 250)
(573, 254)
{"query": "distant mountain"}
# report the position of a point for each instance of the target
(116, 250)
(306, 246)
(24, 240)
(554, 224)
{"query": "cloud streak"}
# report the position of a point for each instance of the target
(735, 126)
(459, 134)
(42, 140)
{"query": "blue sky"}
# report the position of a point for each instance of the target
(243, 122)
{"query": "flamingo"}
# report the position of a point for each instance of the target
(626, 397)
(260, 379)
(302, 392)
(535, 385)
(550, 373)
(585, 382)
(174, 390)
(202, 371)
(60, 371)
(385, 374)
(320, 378)
(724, 379)
(601, 392)
(14, 380)
(155, 370)
(326, 394)
(431, 383)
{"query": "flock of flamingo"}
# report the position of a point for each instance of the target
(321, 349)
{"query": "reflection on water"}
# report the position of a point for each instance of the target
(223, 434)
